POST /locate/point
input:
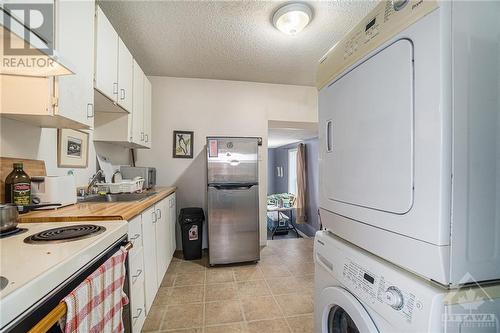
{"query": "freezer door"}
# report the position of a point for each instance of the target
(232, 160)
(233, 224)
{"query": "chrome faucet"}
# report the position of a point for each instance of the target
(93, 181)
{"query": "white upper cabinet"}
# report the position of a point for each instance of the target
(147, 113)
(106, 68)
(66, 101)
(138, 108)
(76, 92)
(125, 74)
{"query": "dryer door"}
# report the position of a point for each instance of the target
(342, 312)
(367, 115)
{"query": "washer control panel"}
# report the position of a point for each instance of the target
(376, 289)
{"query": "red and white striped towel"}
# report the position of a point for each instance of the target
(95, 306)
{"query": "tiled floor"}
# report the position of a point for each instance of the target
(275, 295)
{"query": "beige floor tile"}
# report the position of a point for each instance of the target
(273, 271)
(268, 326)
(187, 330)
(231, 328)
(301, 324)
(253, 288)
(267, 251)
(257, 308)
(272, 260)
(221, 291)
(223, 312)
(220, 275)
(295, 304)
(179, 295)
(183, 316)
(154, 319)
(184, 267)
(190, 279)
(300, 269)
(168, 280)
(288, 285)
(248, 273)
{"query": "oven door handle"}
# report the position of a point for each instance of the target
(128, 246)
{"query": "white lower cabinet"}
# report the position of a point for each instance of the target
(157, 244)
(136, 274)
(149, 244)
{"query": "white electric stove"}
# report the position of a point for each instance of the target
(35, 263)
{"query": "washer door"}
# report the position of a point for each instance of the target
(343, 313)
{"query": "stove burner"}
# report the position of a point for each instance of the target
(12, 232)
(65, 234)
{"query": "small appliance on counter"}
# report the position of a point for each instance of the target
(53, 190)
(148, 173)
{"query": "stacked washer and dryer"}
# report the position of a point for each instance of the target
(409, 111)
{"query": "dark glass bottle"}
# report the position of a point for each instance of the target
(18, 187)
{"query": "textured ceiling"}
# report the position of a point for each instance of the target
(232, 40)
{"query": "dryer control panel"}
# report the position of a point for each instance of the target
(386, 20)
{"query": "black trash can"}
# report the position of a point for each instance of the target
(191, 223)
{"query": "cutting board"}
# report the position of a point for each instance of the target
(31, 167)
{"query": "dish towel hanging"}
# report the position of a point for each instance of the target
(96, 305)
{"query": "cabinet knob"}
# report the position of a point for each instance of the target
(146, 137)
(115, 88)
(154, 217)
(122, 94)
(159, 213)
(142, 136)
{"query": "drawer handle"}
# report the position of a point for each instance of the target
(154, 217)
(135, 237)
(115, 88)
(135, 277)
(139, 312)
(159, 213)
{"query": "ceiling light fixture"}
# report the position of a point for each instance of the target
(292, 18)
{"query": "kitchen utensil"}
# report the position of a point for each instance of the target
(8, 217)
(25, 209)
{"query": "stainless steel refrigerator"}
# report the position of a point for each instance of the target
(233, 200)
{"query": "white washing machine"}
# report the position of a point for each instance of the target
(356, 291)
(409, 113)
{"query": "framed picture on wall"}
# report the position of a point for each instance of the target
(183, 144)
(72, 148)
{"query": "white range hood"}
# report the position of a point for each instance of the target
(39, 62)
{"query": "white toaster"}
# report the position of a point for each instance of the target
(53, 190)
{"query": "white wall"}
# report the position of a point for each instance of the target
(217, 107)
(21, 140)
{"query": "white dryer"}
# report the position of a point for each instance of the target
(409, 113)
(356, 291)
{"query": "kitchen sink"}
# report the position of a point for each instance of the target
(121, 197)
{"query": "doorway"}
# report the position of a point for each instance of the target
(292, 180)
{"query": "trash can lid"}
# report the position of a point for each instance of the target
(192, 212)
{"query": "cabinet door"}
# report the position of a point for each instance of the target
(173, 223)
(76, 92)
(162, 239)
(149, 247)
(125, 74)
(138, 105)
(147, 112)
(106, 69)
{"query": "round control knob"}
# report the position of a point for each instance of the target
(399, 4)
(394, 298)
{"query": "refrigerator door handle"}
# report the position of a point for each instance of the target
(232, 187)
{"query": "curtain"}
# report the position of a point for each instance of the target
(300, 202)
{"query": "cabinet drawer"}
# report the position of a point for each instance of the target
(137, 309)
(135, 234)
(136, 270)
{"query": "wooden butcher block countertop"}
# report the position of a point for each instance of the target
(94, 211)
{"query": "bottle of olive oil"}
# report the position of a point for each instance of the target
(18, 187)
